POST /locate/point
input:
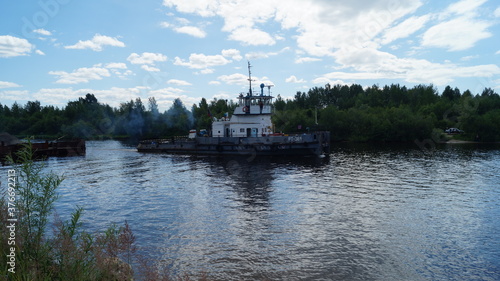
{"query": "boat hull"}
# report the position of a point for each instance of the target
(317, 143)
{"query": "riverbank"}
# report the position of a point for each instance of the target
(454, 141)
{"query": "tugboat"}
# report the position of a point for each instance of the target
(248, 131)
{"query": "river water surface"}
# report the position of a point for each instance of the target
(364, 213)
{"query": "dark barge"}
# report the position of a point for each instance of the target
(315, 143)
(59, 148)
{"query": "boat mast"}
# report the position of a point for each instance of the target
(250, 78)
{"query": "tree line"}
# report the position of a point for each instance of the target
(392, 112)
(351, 113)
(88, 118)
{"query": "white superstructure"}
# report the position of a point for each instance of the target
(251, 118)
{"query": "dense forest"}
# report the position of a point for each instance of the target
(351, 113)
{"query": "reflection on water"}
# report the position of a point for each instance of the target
(365, 213)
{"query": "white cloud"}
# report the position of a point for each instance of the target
(346, 23)
(97, 43)
(257, 55)
(191, 30)
(11, 46)
(4, 84)
(207, 71)
(263, 55)
(364, 58)
(165, 24)
(113, 96)
(306, 59)
(201, 61)
(146, 58)
(183, 26)
(150, 68)
(324, 81)
(412, 70)
(242, 80)
(460, 27)
(352, 33)
(464, 7)
(404, 29)
(293, 79)
(204, 8)
(124, 74)
(496, 13)
(234, 79)
(166, 96)
(468, 58)
(233, 54)
(240, 17)
(457, 34)
(81, 75)
(42, 32)
(252, 36)
(443, 74)
(38, 52)
(116, 95)
(182, 21)
(353, 75)
(167, 92)
(15, 95)
(58, 96)
(116, 65)
(178, 82)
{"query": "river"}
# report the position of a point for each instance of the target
(385, 212)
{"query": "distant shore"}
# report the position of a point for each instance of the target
(453, 141)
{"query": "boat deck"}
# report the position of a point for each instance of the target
(316, 143)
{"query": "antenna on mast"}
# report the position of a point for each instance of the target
(250, 78)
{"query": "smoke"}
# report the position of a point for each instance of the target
(134, 124)
(178, 118)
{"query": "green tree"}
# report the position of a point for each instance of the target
(201, 115)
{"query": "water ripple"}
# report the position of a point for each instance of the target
(365, 213)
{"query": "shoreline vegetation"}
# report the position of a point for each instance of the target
(391, 113)
(36, 244)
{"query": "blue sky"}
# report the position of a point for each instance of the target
(55, 51)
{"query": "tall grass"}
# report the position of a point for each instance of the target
(70, 253)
